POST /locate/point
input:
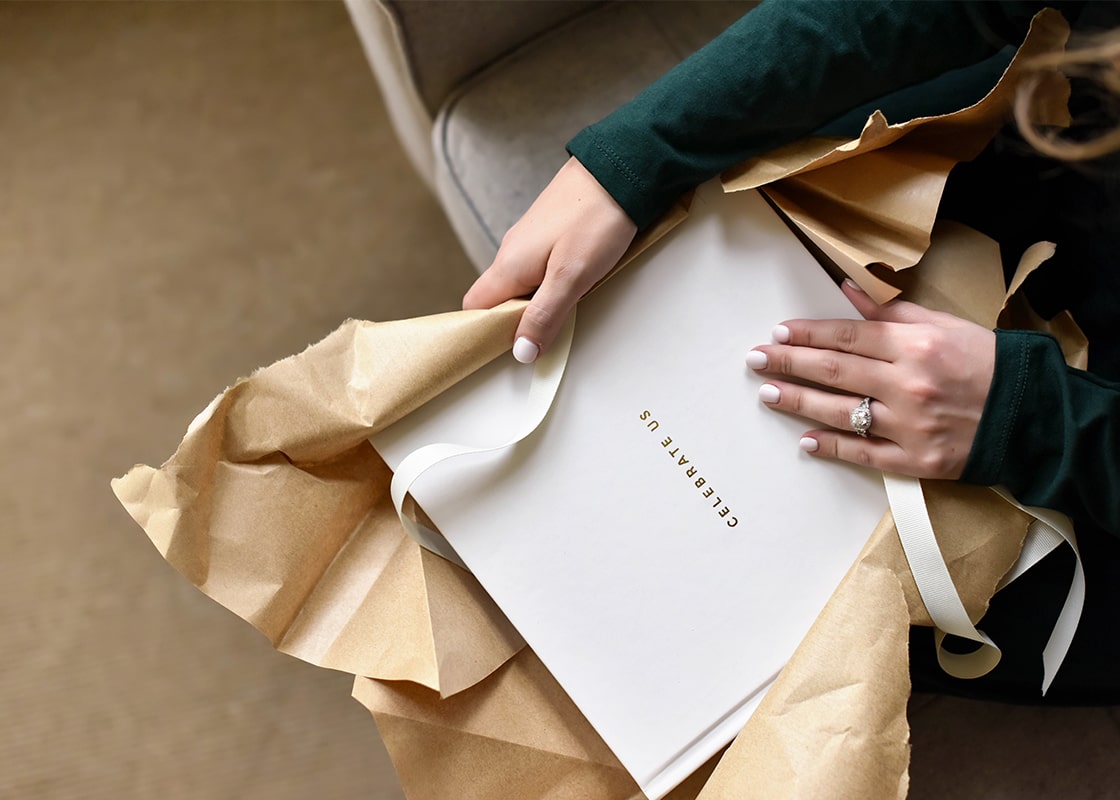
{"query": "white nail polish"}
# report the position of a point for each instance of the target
(525, 351)
(853, 285)
(756, 359)
(780, 334)
(769, 393)
(809, 444)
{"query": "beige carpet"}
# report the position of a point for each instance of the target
(186, 192)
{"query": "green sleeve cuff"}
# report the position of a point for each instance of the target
(641, 203)
(1049, 433)
(1000, 420)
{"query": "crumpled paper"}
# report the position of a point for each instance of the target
(874, 200)
(277, 507)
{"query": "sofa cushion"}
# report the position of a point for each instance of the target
(501, 137)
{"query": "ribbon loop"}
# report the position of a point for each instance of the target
(1047, 531)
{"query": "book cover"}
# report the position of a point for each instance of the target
(660, 541)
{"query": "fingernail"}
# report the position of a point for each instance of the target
(780, 334)
(525, 351)
(853, 285)
(809, 444)
(756, 359)
(769, 393)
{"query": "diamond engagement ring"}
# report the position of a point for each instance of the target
(861, 417)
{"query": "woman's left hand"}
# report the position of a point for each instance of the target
(927, 374)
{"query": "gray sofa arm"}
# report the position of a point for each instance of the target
(421, 50)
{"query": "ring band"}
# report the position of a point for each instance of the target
(861, 417)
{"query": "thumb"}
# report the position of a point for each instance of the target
(575, 264)
(545, 315)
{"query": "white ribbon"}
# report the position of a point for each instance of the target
(1047, 531)
(547, 372)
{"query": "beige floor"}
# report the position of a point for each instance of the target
(188, 192)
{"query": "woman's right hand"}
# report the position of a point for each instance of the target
(571, 236)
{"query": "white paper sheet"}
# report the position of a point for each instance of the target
(664, 609)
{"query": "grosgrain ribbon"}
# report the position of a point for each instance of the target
(1047, 531)
(547, 373)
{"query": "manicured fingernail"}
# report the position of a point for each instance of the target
(780, 334)
(809, 444)
(769, 393)
(756, 359)
(525, 351)
(853, 285)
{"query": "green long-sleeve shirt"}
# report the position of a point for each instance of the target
(782, 71)
(1049, 433)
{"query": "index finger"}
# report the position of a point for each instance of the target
(503, 280)
(870, 339)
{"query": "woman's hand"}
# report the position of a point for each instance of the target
(927, 374)
(568, 239)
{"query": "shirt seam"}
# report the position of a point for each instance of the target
(618, 163)
(1020, 388)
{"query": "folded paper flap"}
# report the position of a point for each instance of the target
(152, 498)
(360, 379)
(481, 768)
(961, 274)
(385, 607)
(471, 636)
(1016, 311)
(370, 586)
(515, 735)
(829, 249)
(959, 136)
(812, 154)
(878, 190)
(341, 585)
(520, 703)
(786, 161)
(879, 209)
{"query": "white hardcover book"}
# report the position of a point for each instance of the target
(660, 541)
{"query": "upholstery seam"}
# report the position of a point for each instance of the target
(455, 175)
